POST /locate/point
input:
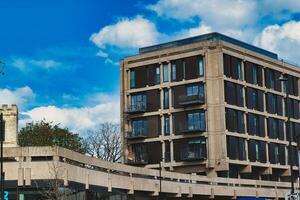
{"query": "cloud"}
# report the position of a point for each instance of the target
(201, 29)
(127, 33)
(23, 63)
(19, 96)
(216, 13)
(78, 119)
(284, 39)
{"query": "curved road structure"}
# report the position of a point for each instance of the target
(26, 165)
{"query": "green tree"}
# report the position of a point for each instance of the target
(44, 133)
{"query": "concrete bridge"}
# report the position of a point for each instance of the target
(25, 165)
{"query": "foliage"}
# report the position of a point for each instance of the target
(46, 134)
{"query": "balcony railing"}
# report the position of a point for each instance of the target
(137, 134)
(185, 100)
(137, 108)
(185, 128)
(141, 159)
(188, 155)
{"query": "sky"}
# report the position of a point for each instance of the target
(62, 56)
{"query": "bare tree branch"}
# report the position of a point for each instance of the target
(104, 143)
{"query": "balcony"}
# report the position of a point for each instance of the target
(193, 155)
(137, 134)
(191, 100)
(185, 128)
(141, 159)
(137, 108)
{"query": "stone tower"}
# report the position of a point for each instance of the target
(10, 117)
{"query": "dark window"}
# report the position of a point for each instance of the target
(257, 151)
(197, 148)
(233, 67)
(256, 124)
(277, 153)
(294, 154)
(236, 148)
(293, 85)
(167, 125)
(253, 73)
(272, 79)
(293, 108)
(234, 94)
(254, 99)
(294, 131)
(140, 153)
(275, 128)
(274, 104)
(166, 98)
(132, 79)
(235, 121)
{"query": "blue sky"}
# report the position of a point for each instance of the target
(62, 55)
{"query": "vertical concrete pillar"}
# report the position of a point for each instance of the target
(216, 142)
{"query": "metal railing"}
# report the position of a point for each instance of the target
(185, 128)
(137, 108)
(143, 133)
(187, 154)
(186, 100)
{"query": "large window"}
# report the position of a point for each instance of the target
(256, 125)
(275, 128)
(233, 67)
(254, 99)
(274, 104)
(166, 72)
(195, 90)
(132, 79)
(293, 108)
(139, 127)
(234, 94)
(253, 73)
(140, 153)
(294, 130)
(235, 121)
(197, 149)
(277, 153)
(166, 98)
(293, 85)
(196, 121)
(138, 102)
(272, 79)
(257, 151)
(236, 148)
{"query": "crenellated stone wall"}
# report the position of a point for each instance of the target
(10, 117)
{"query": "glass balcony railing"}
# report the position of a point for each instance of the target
(185, 128)
(190, 155)
(137, 134)
(137, 108)
(140, 159)
(186, 100)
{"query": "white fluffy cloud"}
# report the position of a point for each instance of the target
(201, 29)
(216, 13)
(19, 96)
(127, 33)
(23, 63)
(79, 119)
(284, 39)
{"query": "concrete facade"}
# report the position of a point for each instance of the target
(216, 107)
(10, 117)
(25, 167)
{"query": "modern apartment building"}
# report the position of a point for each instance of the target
(210, 105)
